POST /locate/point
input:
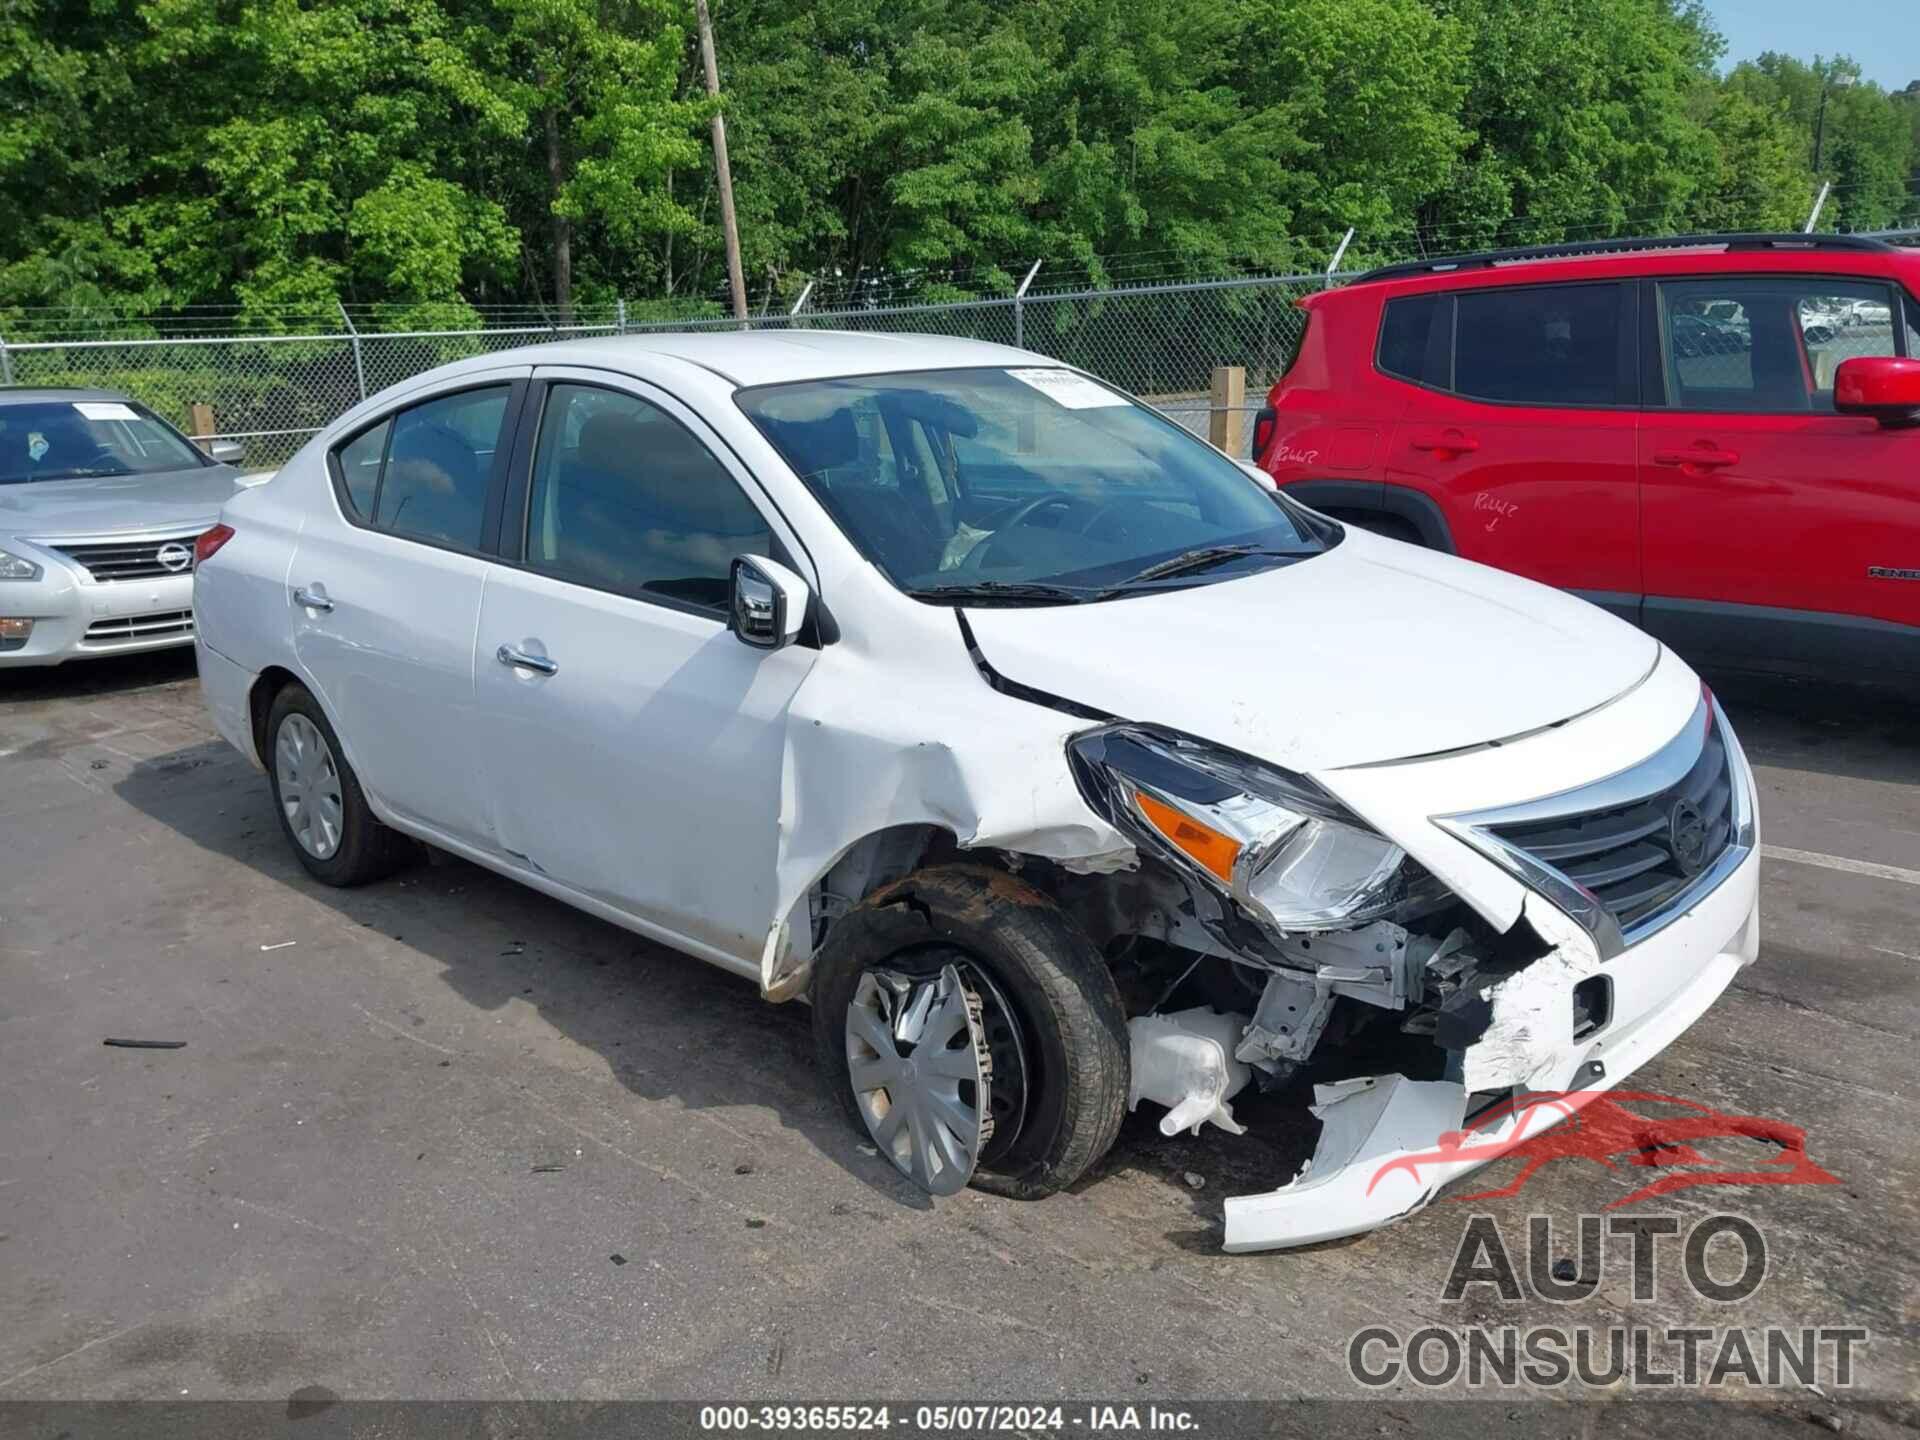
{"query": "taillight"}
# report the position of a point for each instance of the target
(1263, 431)
(209, 542)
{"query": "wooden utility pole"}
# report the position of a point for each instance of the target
(736, 279)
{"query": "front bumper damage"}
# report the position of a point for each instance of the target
(1384, 1146)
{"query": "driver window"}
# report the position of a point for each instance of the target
(1767, 345)
(625, 499)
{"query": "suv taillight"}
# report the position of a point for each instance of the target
(1263, 431)
(210, 541)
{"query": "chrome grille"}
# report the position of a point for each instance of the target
(159, 625)
(1636, 857)
(129, 559)
(1625, 855)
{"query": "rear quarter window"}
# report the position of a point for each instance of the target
(1410, 348)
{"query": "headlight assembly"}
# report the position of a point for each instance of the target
(1291, 854)
(16, 567)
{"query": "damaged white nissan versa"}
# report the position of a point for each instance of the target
(1057, 761)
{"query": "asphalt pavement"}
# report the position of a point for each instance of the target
(443, 1137)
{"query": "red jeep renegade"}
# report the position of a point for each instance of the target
(1717, 438)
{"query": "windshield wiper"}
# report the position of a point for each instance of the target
(1199, 559)
(1012, 592)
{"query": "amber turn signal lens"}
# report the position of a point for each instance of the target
(1210, 849)
(16, 629)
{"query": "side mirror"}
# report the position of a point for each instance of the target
(1882, 386)
(769, 603)
(226, 452)
(1257, 475)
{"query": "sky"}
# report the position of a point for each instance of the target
(1883, 35)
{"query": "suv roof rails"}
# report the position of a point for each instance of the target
(1446, 264)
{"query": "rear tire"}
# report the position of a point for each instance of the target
(1073, 1029)
(323, 811)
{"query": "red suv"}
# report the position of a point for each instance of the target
(1717, 438)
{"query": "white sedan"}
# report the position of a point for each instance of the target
(1061, 764)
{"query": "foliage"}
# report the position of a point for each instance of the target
(436, 157)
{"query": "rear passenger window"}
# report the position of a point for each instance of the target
(425, 472)
(359, 462)
(1543, 345)
(434, 483)
(1408, 346)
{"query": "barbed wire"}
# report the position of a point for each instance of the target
(829, 295)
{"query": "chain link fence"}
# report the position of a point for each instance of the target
(1163, 342)
(274, 391)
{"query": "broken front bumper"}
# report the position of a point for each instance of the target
(1383, 1150)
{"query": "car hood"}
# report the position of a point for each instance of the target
(1373, 651)
(170, 499)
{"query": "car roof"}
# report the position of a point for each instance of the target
(41, 394)
(1633, 257)
(776, 357)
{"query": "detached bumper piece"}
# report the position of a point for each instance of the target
(1348, 1186)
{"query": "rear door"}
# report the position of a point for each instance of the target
(1523, 430)
(385, 590)
(1773, 525)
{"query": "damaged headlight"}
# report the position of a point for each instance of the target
(1291, 854)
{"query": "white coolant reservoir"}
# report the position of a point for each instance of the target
(1185, 1062)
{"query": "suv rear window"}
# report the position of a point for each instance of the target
(1409, 348)
(1542, 345)
(1546, 345)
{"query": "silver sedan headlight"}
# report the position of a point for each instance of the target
(17, 567)
(1289, 853)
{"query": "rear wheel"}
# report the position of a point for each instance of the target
(960, 972)
(323, 812)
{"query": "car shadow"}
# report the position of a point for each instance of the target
(671, 1029)
(1858, 732)
(96, 676)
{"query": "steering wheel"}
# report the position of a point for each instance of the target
(1035, 506)
(1056, 499)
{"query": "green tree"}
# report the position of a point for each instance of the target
(1856, 136)
(1582, 119)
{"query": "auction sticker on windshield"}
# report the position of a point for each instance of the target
(104, 410)
(1063, 387)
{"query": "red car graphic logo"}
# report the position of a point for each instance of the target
(1595, 1125)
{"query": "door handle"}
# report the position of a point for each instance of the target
(1446, 444)
(1705, 458)
(521, 660)
(312, 599)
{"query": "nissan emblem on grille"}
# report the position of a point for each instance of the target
(1687, 837)
(174, 557)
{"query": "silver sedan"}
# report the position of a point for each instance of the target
(100, 504)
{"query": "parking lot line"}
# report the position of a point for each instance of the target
(1837, 862)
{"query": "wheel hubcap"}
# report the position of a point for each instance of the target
(921, 1072)
(308, 780)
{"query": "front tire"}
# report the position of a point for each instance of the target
(1038, 969)
(323, 811)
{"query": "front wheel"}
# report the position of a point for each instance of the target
(958, 972)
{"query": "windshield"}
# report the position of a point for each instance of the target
(1022, 486)
(84, 439)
